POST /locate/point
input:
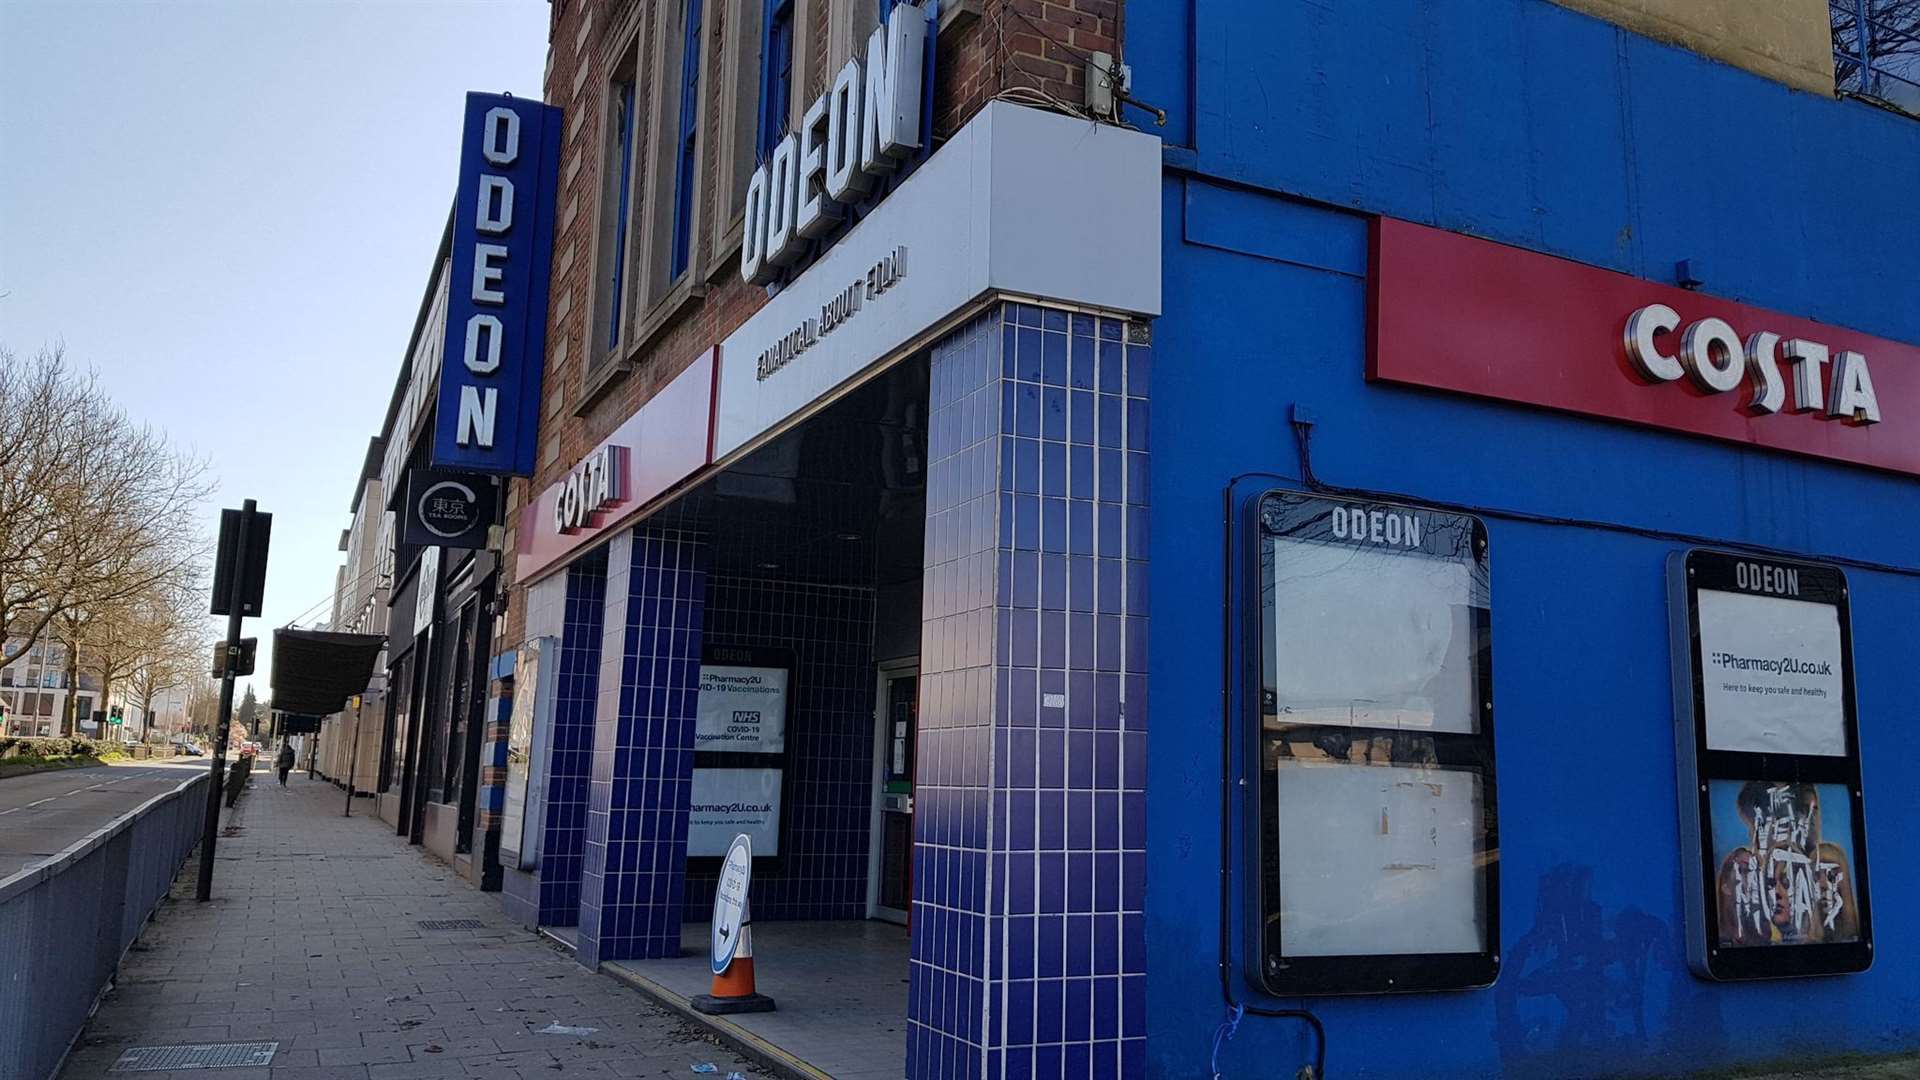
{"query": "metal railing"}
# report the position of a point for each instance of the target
(66, 923)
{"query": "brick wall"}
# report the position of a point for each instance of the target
(987, 46)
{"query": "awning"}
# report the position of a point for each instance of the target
(316, 671)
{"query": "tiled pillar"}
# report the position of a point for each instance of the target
(1029, 862)
(635, 868)
(570, 758)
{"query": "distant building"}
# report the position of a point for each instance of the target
(34, 690)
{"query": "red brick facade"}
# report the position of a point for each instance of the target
(985, 48)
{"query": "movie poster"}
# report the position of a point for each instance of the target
(1784, 853)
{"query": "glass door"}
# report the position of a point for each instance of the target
(890, 877)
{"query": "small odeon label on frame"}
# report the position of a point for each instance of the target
(1773, 816)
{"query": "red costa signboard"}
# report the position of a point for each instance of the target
(1451, 312)
(667, 440)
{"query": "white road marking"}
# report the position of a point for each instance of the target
(78, 790)
(4, 813)
(37, 802)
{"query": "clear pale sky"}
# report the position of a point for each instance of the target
(229, 209)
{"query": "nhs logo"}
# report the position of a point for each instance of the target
(489, 406)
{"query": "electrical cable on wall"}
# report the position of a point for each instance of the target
(1236, 1010)
(1033, 95)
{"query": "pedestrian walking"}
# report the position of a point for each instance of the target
(284, 762)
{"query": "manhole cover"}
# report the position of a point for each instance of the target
(452, 924)
(205, 1056)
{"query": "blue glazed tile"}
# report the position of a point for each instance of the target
(1049, 1013)
(1111, 360)
(1108, 426)
(1053, 415)
(1110, 479)
(1081, 417)
(1053, 363)
(1053, 468)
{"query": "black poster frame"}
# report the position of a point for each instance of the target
(1699, 765)
(1297, 515)
(761, 656)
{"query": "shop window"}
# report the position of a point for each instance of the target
(733, 132)
(1770, 788)
(776, 75)
(648, 251)
(1876, 50)
(687, 132)
(1370, 733)
(616, 195)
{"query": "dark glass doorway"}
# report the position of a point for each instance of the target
(896, 732)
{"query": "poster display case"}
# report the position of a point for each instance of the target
(1369, 740)
(1772, 814)
(739, 760)
(529, 737)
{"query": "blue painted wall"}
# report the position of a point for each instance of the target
(1547, 129)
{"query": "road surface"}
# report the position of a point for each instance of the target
(42, 813)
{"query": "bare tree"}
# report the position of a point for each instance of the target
(98, 512)
(203, 704)
(170, 652)
(1882, 58)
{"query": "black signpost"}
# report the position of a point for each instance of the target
(239, 579)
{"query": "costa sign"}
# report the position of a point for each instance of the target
(1457, 313)
(1711, 355)
(664, 442)
(495, 347)
(592, 486)
(862, 128)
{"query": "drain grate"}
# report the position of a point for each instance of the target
(205, 1056)
(452, 924)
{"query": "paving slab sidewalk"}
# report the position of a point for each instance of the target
(313, 941)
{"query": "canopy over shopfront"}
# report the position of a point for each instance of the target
(316, 671)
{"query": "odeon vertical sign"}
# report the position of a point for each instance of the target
(489, 405)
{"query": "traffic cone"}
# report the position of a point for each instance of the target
(733, 990)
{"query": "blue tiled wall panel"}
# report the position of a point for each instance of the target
(1028, 957)
(633, 872)
(822, 871)
(571, 756)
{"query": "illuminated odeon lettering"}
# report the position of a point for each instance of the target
(860, 129)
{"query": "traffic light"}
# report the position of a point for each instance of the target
(114, 714)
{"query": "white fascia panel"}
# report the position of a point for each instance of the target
(1018, 201)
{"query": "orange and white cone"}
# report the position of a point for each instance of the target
(733, 989)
